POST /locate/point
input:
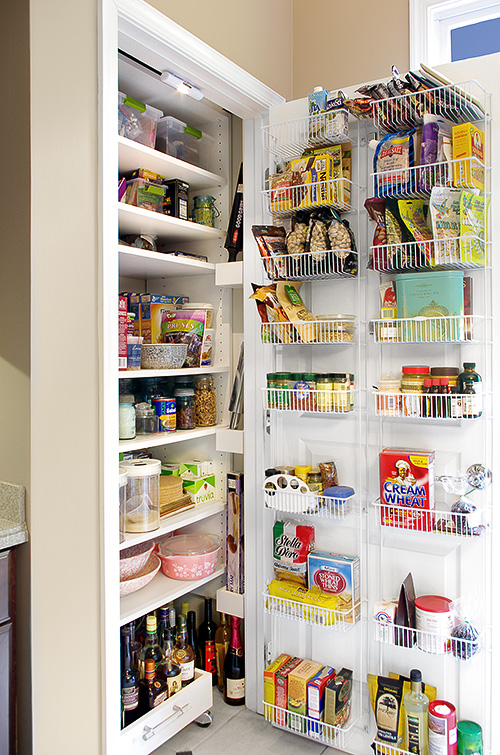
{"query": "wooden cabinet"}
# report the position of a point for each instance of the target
(7, 662)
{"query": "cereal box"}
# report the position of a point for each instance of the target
(235, 557)
(406, 481)
(338, 698)
(152, 310)
(281, 684)
(336, 574)
(316, 700)
(292, 543)
(270, 684)
(122, 332)
(297, 694)
(468, 143)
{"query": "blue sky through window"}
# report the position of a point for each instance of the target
(478, 39)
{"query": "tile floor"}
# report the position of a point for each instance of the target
(233, 725)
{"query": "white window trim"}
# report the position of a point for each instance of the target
(432, 20)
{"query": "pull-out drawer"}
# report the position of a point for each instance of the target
(153, 729)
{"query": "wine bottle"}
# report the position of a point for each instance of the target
(163, 624)
(185, 607)
(222, 637)
(234, 667)
(130, 684)
(192, 638)
(151, 648)
(169, 669)
(184, 653)
(206, 635)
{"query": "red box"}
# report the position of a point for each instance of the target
(407, 482)
(281, 689)
(122, 332)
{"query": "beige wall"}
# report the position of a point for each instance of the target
(255, 34)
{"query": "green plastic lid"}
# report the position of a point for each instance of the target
(271, 376)
(469, 365)
(469, 733)
(309, 376)
(297, 376)
(283, 375)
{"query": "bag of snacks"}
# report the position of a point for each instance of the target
(296, 243)
(444, 208)
(295, 309)
(375, 207)
(394, 155)
(291, 544)
(413, 216)
(472, 228)
(272, 246)
(185, 326)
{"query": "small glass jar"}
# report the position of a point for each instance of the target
(314, 482)
(389, 395)
(142, 506)
(341, 392)
(271, 393)
(146, 419)
(302, 471)
(127, 429)
(412, 382)
(186, 408)
(310, 379)
(205, 401)
(324, 393)
(204, 210)
(283, 384)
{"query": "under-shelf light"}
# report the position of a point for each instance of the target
(182, 86)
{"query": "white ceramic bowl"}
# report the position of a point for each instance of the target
(143, 578)
(133, 559)
(163, 356)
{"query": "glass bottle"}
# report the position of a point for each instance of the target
(205, 399)
(169, 670)
(436, 397)
(469, 375)
(184, 653)
(234, 667)
(222, 637)
(446, 397)
(151, 647)
(153, 691)
(324, 393)
(129, 684)
(193, 639)
(426, 398)
(185, 608)
(206, 636)
(416, 707)
(163, 624)
(186, 408)
(126, 417)
(469, 401)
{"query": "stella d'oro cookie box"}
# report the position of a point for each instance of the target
(336, 574)
(406, 488)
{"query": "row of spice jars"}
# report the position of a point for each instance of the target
(187, 409)
(310, 391)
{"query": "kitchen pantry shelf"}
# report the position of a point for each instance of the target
(174, 522)
(403, 519)
(134, 220)
(431, 643)
(132, 155)
(152, 440)
(306, 613)
(140, 263)
(161, 590)
(214, 369)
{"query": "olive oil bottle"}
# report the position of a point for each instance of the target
(416, 710)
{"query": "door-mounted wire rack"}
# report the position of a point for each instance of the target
(449, 329)
(312, 614)
(432, 521)
(434, 643)
(290, 139)
(460, 253)
(418, 181)
(314, 401)
(290, 495)
(429, 406)
(336, 330)
(283, 200)
(333, 263)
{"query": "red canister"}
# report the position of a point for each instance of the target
(442, 728)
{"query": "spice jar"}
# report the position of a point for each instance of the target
(283, 383)
(186, 408)
(412, 382)
(310, 379)
(271, 393)
(205, 401)
(324, 393)
(341, 392)
(146, 420)
(127, 417)
(314, 482)
(302, 471)
(204, 211)
(389, 395)
(142, 505)
(450, 372)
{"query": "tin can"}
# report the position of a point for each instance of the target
(442, 728)
(166, 413)
(434, 617)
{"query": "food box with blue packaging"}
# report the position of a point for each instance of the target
(337, 574)
(437, 297)
(316, 700)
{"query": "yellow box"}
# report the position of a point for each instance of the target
(468, 143)
(297, 692)
(270, 683)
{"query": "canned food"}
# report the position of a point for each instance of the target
(435, 621)
(442, 728)
(166, 413)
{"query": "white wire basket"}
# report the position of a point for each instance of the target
(310, 331)
(312, 615)
(314, 402)
(334, 263)
(290, 501)
(429, 642)
(418, 181)
(458, 103)
(449, 329)
(290, 138)
(435, 406)
(433, 521)
(461, 253)
(284, 201)
(332, 736)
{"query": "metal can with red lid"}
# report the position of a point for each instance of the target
(412, 388)
(442, 728)
(434, 619)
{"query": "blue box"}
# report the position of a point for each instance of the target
(437, 295)
(316, 700)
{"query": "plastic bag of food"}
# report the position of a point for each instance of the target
(444, 208)
(296, 238)
(435, 151)
(413, 216)
(394, 156)
(272, 246)
(295, 309)
(375, 207)
(317, 241)
(473, 219)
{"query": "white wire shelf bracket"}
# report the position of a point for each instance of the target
(432, 521)
(419, 180)
(315, 401)
(292, 138)
(458, 103)
(312, 615)
(310, 728)
(310, 331)
(445, 328)
(333, 263)
(284, 201)
(425, 406)
(460, 253)
(431, 642)
(312, 504)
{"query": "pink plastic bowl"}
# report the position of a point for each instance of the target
(189, 556)
(143, 578)
(134, 558)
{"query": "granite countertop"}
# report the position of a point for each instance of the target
(13, 530)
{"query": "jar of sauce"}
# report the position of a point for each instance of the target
(412, 388)
(324, 393)
(389, 395)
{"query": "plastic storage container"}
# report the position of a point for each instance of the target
(126, 417)
(137, 121)
(142, 193)
(208, 308)
(122, 485)
(142, 505)
(189, 556)
(179, 140)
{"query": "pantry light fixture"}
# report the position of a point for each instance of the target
(182, 86)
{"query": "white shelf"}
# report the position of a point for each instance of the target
(230, 441)
(229, 274)
(139, 263)
(132, 155)
(163, 439)
(133, 220)
(175, 522)
(161, 590)
(232, 603)
(216, 368)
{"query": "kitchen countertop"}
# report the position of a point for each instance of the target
(13, 530)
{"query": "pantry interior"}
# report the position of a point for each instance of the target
(75, 265)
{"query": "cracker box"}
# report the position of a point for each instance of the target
(406, 482)
(384, 613)
(201, 489)
(270, 684)
(281, 686)
(338, 698)
(152, 308)
(122, 332)
(297, 694)
(235, 574)
(316, 700)
(337, 574)
(468, 143)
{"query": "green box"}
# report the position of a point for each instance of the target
(437, 299)
(201, 489)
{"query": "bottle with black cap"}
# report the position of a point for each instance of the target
(416, 710)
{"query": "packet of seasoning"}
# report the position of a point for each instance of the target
(472, 228)
(388, 699)
(413, 216)
(375, 207)
(328, 472)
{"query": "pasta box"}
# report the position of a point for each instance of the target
(337, 574)
(297, 693)
(436, 296)
(406, 482)
(281, 696)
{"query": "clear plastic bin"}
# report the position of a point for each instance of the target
(142, 193)
(142, 505)
(179, 140)
(137, 121)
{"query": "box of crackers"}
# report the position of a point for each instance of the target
(337, 574)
